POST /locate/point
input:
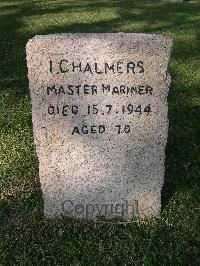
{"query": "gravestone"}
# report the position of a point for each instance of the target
(99, 112)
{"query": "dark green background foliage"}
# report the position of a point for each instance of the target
(26, 237)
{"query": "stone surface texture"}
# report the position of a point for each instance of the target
(119, 171)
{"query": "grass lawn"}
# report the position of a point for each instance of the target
(26, 237)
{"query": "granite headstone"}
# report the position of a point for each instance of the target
(99, 112)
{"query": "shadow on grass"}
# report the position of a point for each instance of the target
(131, 16)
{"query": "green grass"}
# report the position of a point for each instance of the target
(26, 237)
